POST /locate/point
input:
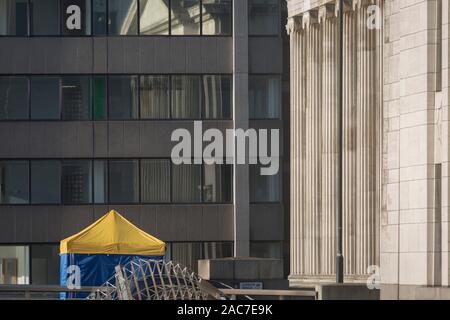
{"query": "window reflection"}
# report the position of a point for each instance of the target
(185, 17)
(122, 17)
(217, 17)
(99, 17)
(154, 17)
(13, 17)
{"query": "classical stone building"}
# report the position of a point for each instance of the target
(395, 186)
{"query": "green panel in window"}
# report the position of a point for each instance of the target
(99, 98)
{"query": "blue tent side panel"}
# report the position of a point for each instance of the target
(95, 269)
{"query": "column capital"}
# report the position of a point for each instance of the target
(357, 4)
(327, 11)
(309, 18)
(294, 24)
(348, 6)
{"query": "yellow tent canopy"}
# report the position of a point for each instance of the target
(113, 234)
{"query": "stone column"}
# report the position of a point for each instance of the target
(366, 157)
(315, 150)
(330, 134)
(349, 141)
(313, 201)
(297, 50)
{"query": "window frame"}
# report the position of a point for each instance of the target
(107, 200)
(60, 34)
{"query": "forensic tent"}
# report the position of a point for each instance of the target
(89, 257)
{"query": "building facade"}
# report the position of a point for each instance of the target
(395, 143)
(90, 93)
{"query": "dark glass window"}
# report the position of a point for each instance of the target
(217, 17)
(266, 249)
(45, 264)
(99, 17)
(185, 17)
(123, 97)
(217, 183)
(155, 181)
(123, 181)
(264, 17)
(99, 97)
(264, 188)
(122, 17)
(44, 17)
(14, 98)
(155, 97)
(14, 182)
(186, 183)
(154, 17)
(76, 98)
(46, 181)
(217, 97)
(76, 17)
(45, 98)
(264, 96)
(188, 253)
(100, 181)
(217, 250)
(185, 97)
(76, 181)
(13, 17)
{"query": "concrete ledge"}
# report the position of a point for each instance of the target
(240, 269)
(348, 291)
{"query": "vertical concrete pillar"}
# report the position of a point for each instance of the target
(240, 117)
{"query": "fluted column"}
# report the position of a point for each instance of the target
(366, 178)
(298, 86)
(315, 151)
(349, 141)
(330, 134)
(313, 210)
